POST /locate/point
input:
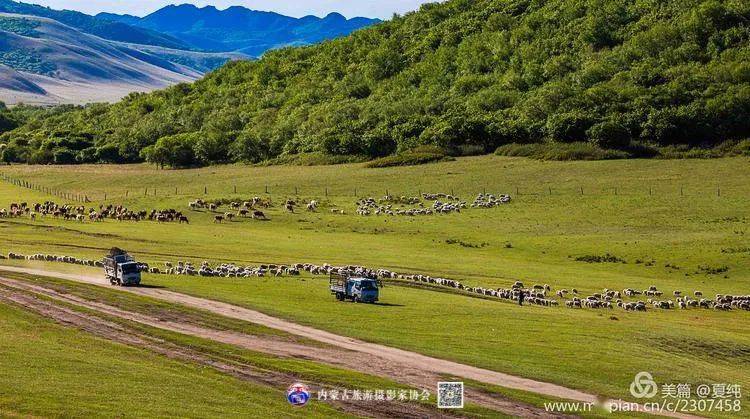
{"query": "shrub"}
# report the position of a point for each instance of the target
(313, 159)
(87, 155)
(63, 156)
(607, 258)
(407, 159)
(108, 153)
(560, 151)
(610, 134)
(41, 157)
(467, 150)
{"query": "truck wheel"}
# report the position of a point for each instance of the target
(357, 300)
(340, 296)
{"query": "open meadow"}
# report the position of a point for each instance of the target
(674, 224)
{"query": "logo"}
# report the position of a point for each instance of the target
(298, 394)
(643, 386)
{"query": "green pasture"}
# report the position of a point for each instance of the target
(47, 370)
(691, 215)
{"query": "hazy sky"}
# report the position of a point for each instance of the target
(297, 8)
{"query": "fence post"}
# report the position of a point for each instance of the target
(649, 191)
(681, 191)
(581, 190)
(355, 191)
(296, 192)
(550, 190)
(718, 191)
(205, 190)
(326, 190)
(235, 188)
(266, 188)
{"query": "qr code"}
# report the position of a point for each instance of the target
(451, 395)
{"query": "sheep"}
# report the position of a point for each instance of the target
(184, 219)
(218, 219)
(259, 215)
(229, 216)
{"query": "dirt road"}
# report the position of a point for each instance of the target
(402, 373)
(133, 337)
(414, 361)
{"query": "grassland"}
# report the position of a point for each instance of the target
(681, 213)
(48, 370)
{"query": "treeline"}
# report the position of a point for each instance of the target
(465, 75)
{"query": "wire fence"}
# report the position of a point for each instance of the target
(69, 196)
(227, 191)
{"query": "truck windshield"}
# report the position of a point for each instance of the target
(129, 268)
(369, 285)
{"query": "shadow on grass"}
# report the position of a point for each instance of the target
(150, 286)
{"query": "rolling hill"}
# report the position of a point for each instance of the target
(467, 76)
(238, 29)
(114, 31)
(46, 62)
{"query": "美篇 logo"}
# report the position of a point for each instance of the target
(643, 386)
(298, 394)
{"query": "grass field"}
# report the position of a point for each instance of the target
(48, 370)
(689, 214)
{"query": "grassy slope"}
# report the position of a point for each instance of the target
(589, 349)
(44, 366)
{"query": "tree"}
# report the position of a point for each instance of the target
(610, 134)
(108, 153)
(175, 151)
(569, 127)
(63, 156)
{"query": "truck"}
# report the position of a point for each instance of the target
(121, 269)
(359, 290)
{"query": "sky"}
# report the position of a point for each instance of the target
(350, 8)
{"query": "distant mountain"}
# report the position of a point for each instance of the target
(45, 62)
(107, 29)
(239, 29)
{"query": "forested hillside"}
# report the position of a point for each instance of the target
(463, 75)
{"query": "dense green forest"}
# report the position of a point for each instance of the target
(466, 75)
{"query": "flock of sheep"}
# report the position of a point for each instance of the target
(537, 294)
(81, 214)
(244, 209)
(442, 204)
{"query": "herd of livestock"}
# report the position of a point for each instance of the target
(81, 213)
(537, 294)
(442, 203)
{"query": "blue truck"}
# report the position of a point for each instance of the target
(359, 290)
(121, 269)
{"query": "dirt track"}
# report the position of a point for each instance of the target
(129, 336)
(406, 363)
